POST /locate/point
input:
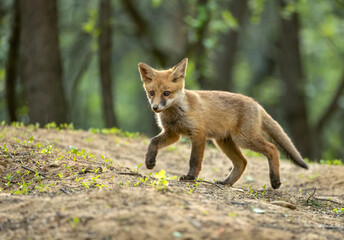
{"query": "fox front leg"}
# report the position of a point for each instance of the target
(196, 158)
(164, 139)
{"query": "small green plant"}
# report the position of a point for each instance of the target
(47, 149)
(162, 180)
(232, 214)
(78, 179)
(74, 222)
(4, 147)
(94, 179)
(24, 188)
(263, 192)
(69, 126)
(66, 167)
(136, 169)
(38, 177)
(8, 179)
(141, 180)
(85, 184)
(339, 210)
(94, 130)
(51, 125)
(41, 187)
(192, 187)
(332, 162)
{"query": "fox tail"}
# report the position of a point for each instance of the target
(276, 133)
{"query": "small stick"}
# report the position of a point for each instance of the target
(215, 184)
(312, 195)
(203, 181)
(129, 173)
(27, 168)
(325, 199)
(64, 191)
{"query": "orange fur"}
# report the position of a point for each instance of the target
(232, 120)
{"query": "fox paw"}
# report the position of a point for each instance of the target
(150, 164)
(223, 183)
(186, 178)
(276, 184)
(275, 181)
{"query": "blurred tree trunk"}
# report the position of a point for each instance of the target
(229, 45)
(12, 63)
(326, 116)
(41, 69)
(291, 73)
(145, 33)
(149, 43)
(199, 49)
(105, 51)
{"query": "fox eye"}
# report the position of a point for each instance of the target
(166, 93)
(151, 93)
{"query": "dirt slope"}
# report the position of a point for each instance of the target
(76, 189)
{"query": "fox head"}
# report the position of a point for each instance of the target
(163, 87)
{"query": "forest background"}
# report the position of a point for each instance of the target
(76, 61)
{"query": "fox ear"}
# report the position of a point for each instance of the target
(147, 73)
(179, 70)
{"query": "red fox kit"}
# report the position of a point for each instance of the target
(232, 120)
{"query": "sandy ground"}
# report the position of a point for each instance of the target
(67, 184)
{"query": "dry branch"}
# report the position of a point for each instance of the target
(31, 170)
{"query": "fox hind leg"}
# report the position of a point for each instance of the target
(269, 150)
(234, 153)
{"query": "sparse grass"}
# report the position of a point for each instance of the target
(337, 162)
(339, 210)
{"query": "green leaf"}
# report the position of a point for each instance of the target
(231, 21)
(156, 3)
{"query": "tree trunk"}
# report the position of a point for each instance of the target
(229, 43)
(144, 32)
(41, 69)
(105, 50)
(291, 73)
(12, 63)
(325, 117)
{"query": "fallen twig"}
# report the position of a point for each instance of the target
(326, 199)
(284, 204)
(64, 191)
(87, 170)
(310, 196)
(215, 184)
(194, 223)
(31, 170)
(130, 173)
(203, 181)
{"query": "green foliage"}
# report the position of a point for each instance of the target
(257, 7)
(74, 222)
(332, 162)
(90, 26)
(339, 210)
(230, 21)
(321, 46)
(115, 131)
(192, 187)
(162, 180)
(23, 188)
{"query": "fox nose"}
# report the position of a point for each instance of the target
(155, 107)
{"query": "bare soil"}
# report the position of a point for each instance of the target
(71, 184)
